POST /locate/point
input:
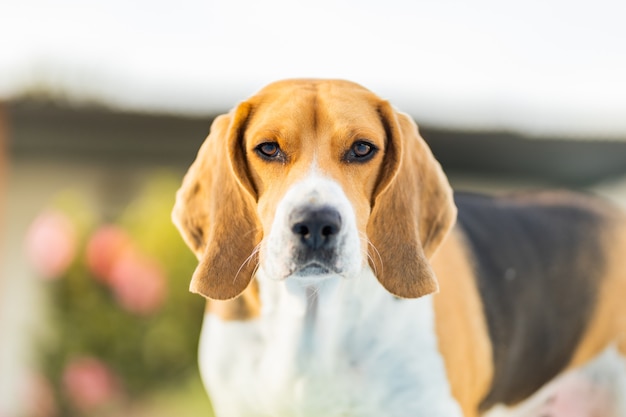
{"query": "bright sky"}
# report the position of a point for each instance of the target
(536, 66)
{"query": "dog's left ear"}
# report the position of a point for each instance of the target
(413, 210)
(215, 211)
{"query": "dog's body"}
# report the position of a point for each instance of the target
(326, 227)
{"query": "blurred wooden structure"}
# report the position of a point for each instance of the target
(53, 132)
(4, 133)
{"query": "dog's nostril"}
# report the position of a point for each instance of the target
(316, 228)
(301, 229)
(329, 230)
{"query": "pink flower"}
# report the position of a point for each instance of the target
(104, 248)
(38, 397)
(90, 384)
(51, 243)
(138, 283)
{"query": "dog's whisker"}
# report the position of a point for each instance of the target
(255, 251)
(256, 268)
(311, 297)
(369, 244)
(372, 262)
(249, 232)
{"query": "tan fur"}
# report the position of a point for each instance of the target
(461, 327)
(403, 205)
(244, 307)
(608, 324)
(412, 213)
(216, 216)
(402, 200)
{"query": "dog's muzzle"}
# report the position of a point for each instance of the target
(313, 234)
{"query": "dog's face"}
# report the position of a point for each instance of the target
(312, 179)
(314, 168)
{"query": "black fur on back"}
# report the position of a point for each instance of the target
(536, 263)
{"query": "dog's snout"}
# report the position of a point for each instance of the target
(316, 228)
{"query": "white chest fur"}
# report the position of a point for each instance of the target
(344, 347)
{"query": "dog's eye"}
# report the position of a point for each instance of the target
(360, 151)
(269, 150)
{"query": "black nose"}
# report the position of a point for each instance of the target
(316, 228)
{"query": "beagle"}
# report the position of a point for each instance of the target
(341, 281)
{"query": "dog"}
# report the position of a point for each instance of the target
(344, 277)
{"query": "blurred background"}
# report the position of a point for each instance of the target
(103, 106)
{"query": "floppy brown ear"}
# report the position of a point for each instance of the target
(413, 210)
(215, 212)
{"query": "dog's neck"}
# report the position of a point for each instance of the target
(307, 317)
(328, 347)
(323, 321)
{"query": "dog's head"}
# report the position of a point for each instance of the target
(310, 179)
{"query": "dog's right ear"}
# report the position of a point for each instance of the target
(215, 211)
(412, 213)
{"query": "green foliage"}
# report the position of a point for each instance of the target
(146, 351)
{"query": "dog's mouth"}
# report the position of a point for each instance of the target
(313, 269)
